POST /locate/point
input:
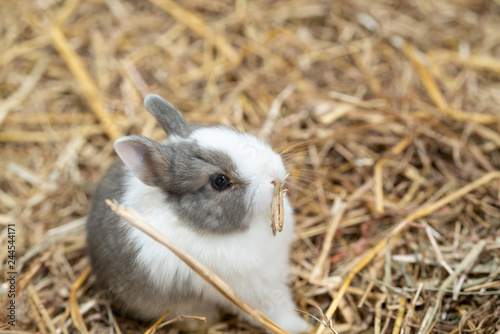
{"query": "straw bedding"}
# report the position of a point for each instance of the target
(390, 108)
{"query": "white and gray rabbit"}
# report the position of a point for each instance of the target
(208, 189)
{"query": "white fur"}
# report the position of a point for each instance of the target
(254, 263)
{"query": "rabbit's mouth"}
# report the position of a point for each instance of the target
(259, 198)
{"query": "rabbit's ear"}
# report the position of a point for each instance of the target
(169, 118)
(144, 157)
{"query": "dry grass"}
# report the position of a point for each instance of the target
(392, 106)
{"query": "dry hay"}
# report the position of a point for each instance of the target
(392, 105)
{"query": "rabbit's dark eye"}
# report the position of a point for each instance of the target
(220, 182)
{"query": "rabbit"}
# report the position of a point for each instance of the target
(208, 189)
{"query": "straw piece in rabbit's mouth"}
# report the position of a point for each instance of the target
(277, 209)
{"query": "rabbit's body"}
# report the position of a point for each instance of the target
(227, 229)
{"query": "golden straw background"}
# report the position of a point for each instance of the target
(391, 110)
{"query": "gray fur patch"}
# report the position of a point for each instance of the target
(187, 185)
(113, 256)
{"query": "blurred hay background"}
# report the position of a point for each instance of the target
(394, 105)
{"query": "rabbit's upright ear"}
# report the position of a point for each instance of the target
(145, 158)
(169, 118)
